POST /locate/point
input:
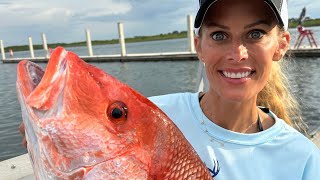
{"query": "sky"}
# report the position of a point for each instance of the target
(66, 20)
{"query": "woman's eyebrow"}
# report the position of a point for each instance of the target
(211, 24)
(258, 23)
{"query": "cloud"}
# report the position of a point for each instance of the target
(153, 16)
(58, 11)
(295, 8)
(66, 20)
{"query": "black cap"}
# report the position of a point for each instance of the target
(279, 7)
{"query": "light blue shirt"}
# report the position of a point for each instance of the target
(279, 152)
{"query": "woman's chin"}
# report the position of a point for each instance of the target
(235, 96)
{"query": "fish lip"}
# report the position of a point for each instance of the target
(45, 95)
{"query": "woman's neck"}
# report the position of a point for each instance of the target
(235, 116)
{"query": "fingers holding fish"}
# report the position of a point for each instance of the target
(22, 132)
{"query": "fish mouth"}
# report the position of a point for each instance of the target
(29, 76)
(41, 89)
(35, 73)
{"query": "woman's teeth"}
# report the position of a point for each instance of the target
(236, 75)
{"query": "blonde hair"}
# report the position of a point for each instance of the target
(276, 96)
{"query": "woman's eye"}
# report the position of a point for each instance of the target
(256, 34)
(218, 36)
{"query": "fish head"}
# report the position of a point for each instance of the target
(80, 116)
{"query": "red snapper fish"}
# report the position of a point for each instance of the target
(82, 123)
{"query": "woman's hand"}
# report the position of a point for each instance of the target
(23, 133)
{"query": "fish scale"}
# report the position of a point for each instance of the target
(86, 124)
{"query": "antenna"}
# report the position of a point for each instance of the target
(302, 15)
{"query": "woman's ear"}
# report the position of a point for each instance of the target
(197, 45)
(284, 44)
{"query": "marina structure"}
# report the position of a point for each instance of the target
(190, 54)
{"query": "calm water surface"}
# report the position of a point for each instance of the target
(151, 78)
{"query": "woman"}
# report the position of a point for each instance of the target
(241, 43)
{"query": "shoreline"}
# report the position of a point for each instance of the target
(158, 37)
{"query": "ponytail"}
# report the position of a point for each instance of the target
(277, 97)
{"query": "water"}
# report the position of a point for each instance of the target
(150, 78)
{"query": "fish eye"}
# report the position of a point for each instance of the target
(117, 112)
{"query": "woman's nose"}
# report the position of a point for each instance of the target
(239, 52)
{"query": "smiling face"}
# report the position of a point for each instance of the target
(238, 43)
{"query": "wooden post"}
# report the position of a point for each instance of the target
(2, 50)
(121, 39)
(190, 34)
(31, 47)
(45, 45)
(89, 45)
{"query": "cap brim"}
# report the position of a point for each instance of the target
(202, 13)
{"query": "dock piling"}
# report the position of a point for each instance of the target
(89, 45)
(31, 47)
(190, 34)
(121, 39)
(2, 50)
(45, 45)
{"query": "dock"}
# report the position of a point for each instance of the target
(304, 52)
(122, 57)
(166, 56)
